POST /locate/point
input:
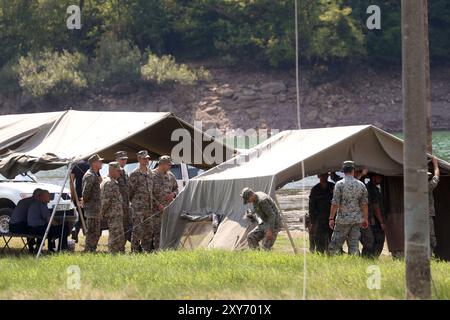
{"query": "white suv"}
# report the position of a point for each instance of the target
(22, 186)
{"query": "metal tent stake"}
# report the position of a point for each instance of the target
(58, 199)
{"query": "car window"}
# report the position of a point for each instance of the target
(193, 171)
(176, 170)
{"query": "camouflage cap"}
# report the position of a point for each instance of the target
(94, 158)
(245, 194)
(142, 154)
(115, 165)
(121, 155)
(165, 159)
(348, 164)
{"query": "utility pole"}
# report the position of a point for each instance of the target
(417, 239)
(427, 78)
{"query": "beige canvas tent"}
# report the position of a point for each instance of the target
(278, 161)
(45, 141)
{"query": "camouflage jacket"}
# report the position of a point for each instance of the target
(349, 195)
(267, 211)
(111, 199)
(141, 190)
(432, 184)
(162, 186)
(124, 185)
(91, 193)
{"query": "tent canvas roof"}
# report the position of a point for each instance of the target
(45, 141)
(271, 165)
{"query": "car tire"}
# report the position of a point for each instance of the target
(5, 215)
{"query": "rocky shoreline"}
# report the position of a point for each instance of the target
(264, 100)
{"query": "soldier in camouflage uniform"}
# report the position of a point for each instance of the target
(141, 196)
(112, 208)
(91, 202)
(165, 189)
(319, 211)
(432, 184)
(373, 237)
(124, 184)
(269, 218)
(350, 203)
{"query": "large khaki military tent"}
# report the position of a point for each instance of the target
(45, 141)
(278, 161)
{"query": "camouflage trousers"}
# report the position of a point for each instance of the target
(156, 229)
(342, 232)
(116, 238)
(141, 236)
(93, 233)
(127, 223)
(319, 238)
(258, 234)
(433, 240)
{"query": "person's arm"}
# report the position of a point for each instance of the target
(435, 162)
(267, 208)
(88, 182)
(105, 199)
(72, 186)
(365, 207)
(334, 205)
(132, 186)
(312, 207)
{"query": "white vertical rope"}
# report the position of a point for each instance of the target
(299, 125)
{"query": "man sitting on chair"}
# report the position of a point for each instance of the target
(18, 222)
(38, 218)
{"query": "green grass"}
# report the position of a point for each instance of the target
(207, 274)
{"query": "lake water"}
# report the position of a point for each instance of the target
(441, 147)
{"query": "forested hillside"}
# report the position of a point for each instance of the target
(166, 45)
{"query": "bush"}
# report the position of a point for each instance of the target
(161, 70)
(52, 74)
(9, 79)
(115, 61)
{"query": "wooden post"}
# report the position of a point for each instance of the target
(417, 238)
(80, 212)
(291, 240)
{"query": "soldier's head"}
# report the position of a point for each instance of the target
(95, 162)
(114, 169)
(248, 195)
(45, 196)
(121, 158)
(164, 163)
(348, 168)
(375, 178)
(143, 158)
(323, 177)
(37, 193)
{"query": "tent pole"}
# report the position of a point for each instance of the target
(291, 240)
(69, 169)
(80, 212)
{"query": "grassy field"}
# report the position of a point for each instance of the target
(207, 274)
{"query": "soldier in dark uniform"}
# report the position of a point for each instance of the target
(124, 185)
(432, 184)
(319, 210)
(373, 237)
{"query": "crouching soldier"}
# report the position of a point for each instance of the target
(269, 222)
(112, 208)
